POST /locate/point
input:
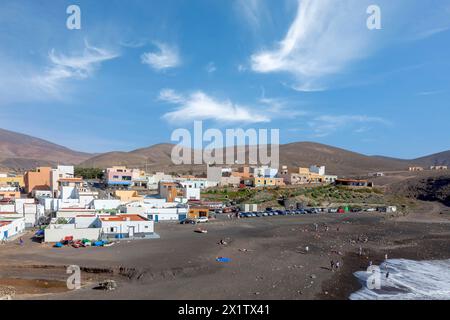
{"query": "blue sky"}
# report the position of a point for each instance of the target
(137, 70)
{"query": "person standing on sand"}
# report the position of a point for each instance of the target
(385, 257)
(338, 264)
(360, 252)
(332, 265)
(21, 241)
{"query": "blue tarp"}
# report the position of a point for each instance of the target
(222, 259)
(39, 233)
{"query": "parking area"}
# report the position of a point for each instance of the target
(308, 211)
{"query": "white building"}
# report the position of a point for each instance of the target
(153, 180)
(61, 172)
(125, 226)
(68, 213)
(265, 172)
(106, 204)
(320, 170)
(157, 210)
(330, 179)
(58, 232)
(11, 227)
(192, 193)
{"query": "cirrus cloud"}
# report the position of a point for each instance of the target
(200, 106)
(166, 57)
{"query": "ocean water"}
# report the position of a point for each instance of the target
(408, 280)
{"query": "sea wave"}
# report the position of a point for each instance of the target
(401, 279)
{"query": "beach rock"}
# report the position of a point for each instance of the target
(108, 285)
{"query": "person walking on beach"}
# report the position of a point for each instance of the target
(385, 257)
(332, 265)
(21, 241)
(306, 249)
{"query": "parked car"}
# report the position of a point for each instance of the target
(265, 214)
(371, 210)
(187, 221)
(202, 220)
(333, 210)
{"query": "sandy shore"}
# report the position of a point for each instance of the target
(268, 258)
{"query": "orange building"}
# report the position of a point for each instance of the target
(170, 190)
(197, 212)
(243, 172)
(38, 178)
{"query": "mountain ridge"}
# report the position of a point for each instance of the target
(19, 151)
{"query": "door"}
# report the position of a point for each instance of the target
(131, 232)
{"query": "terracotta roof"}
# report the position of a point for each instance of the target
(4, 223)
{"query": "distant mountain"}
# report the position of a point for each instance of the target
(338, 161)
(155, 155)
(439, 159)
(22, 151)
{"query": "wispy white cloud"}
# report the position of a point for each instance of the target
(431, 32)
(52, 80)
(200, 106)
(171, 96)
(322, 41)
(325, 125)
(253, 11)
(64, 67)
(211, 67)
(165, 58)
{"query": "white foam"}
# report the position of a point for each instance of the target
(408, 280)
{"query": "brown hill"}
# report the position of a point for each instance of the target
(439, 159)
(338, 161)
(22, 151)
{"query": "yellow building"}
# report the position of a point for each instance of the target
(267, 182)
(16, 181)
(303, 171)
(128, 195)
